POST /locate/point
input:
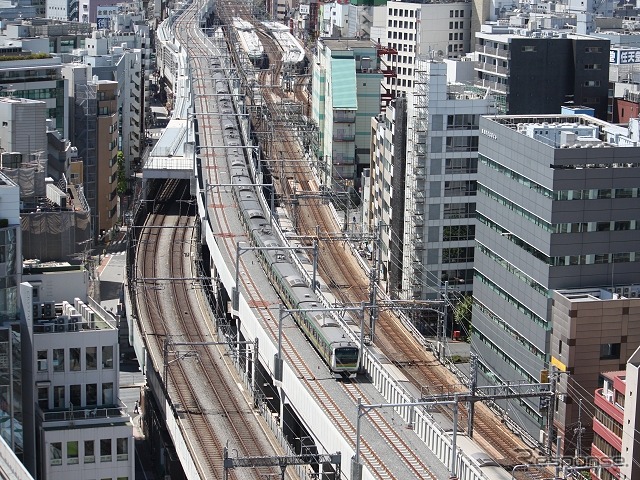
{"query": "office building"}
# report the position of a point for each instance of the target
(37, 78)
(345, 95)
(422, 30)
(96, 137)
(538, 72)
(556, 208)
(594, 330)
(438, 187)
(82, 430)
(12, 402)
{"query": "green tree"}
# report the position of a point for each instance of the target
(122, 178)
(462, 314)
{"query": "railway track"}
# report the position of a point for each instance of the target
(351, 285)
(219, 203)
(335, 261)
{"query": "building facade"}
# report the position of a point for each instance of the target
(556, 208)
(594, 330)
(11, 392)
(82, 430)
(37, 78)
(537, 72)
(423, 30)
(96, 137)
(345, 95)
(442, 163)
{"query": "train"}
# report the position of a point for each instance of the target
(250, 42)
(329, 338)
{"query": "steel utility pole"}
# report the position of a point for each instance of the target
(374, 278)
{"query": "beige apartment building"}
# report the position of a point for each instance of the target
(594, 330)
(107, 154)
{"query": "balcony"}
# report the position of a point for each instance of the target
(344, 117)
(343, 136)
(83, 417)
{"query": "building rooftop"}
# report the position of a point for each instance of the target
(600, 294)
(52, 317)
(6, 181)
(338, 44)
(571, 131)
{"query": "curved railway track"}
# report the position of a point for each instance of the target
(227, 236)
(196, 377)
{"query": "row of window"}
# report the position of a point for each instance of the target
(519, 274)
(456, 25)
(75, 396)
(521, 339)
(596, 193)
(534, 413)
(74, 355)
(583, 227)
(400, 36)
(399, 12)
(609, 422)
(507, 172)
(73, 454)
(521, 307)
(595, 259)
(35, 94)
(400, 24)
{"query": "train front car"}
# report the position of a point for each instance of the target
(345, 358)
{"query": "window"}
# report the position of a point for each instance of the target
(58, 359)
(458, 232)
(105, 450)
(457, 255)
(609, 351)
(107, 393)
(593, 49)
(122, 449)
(43, 355)
(43, 397)
(461, 165)
(460, 188)
(91, 394)
(91, 358)
(459, 210)
(58, 397)
(592, 66)
(72, 453)
(89, 451)
(529, 48)
(55, 453)
(74, 359)
(463, 122)
(592, 83)
(107, 357)
(462, 144)
(74, 395)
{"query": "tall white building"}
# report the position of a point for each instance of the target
(82, 430)
(438, 30)
(441, 169)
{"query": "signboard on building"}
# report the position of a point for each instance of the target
(304, 9)
(626, 56)
(104, 13)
